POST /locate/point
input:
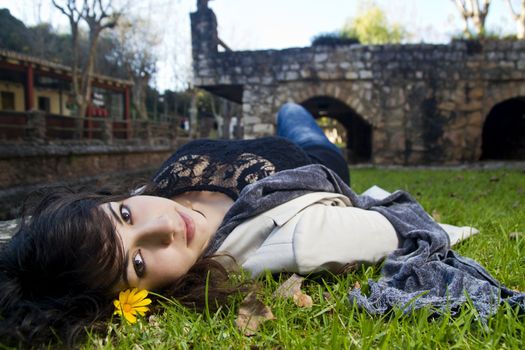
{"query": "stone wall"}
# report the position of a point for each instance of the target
(425, 103)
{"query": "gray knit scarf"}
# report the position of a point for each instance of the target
(422, 272)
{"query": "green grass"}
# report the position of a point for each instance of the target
(492, 201)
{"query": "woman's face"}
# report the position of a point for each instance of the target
(161, 238)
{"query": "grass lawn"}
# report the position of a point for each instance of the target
(493, 201)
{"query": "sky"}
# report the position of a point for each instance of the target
(264, 24)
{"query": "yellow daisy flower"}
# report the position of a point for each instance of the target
(132, 302)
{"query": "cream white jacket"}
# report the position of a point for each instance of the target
(315, 232)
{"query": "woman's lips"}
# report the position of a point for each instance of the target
(190, 227)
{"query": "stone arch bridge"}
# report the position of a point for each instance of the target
(400, 104)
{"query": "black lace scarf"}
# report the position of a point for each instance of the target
(226, 166)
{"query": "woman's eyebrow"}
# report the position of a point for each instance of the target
(117, 217)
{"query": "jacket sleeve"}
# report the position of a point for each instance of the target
(330, 237)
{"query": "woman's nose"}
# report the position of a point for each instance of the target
(159, 230)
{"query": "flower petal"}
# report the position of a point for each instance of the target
(131, 295)
(118, 308)
(130, 317)
(123, 296)
(142, 302)
(138, 296)
(142, 310)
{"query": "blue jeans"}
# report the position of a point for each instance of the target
(296, 124)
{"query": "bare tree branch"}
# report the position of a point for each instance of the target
(473, 11)
(74, 17)
(514, 14)
(519, 18)
(465, 14)
(98, 17)
(486, 5)
(462, 6)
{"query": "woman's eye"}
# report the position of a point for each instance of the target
(138, 264)
(125, 213)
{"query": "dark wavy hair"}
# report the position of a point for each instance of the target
(58, 273)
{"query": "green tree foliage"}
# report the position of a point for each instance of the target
(371, 26)
(43, 41)
(13, 33)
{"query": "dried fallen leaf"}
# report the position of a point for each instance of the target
(436, 215)
(302, 300)
(289, 287)
(252, 313)
(357, 285)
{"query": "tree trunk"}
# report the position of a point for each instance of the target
(521, 21)
(474, 12)
(139, 96)
(80, 115)
(479, 23)
(84, 96)
(519, 18)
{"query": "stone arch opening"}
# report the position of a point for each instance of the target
(358, 132)
(503, 135)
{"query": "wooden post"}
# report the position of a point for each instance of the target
(29, 88)
(60, 101)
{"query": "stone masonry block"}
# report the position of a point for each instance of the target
(320, 57)
(292, 75)
(263, 129)
(351, 75)
(251, 120)
(365, 74)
